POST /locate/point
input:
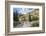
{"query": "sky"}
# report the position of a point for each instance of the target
(22, 10)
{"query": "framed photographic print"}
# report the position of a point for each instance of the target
(24, 17)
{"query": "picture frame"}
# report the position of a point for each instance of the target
(9, 5)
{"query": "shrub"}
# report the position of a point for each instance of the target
(34, 18)
(36, 24)
(15, 24)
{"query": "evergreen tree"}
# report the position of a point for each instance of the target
(15, 14)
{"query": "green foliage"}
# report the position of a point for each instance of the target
(36, 24)
(30, 17)
(34, 18)
(16, 23)
(16, 18)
